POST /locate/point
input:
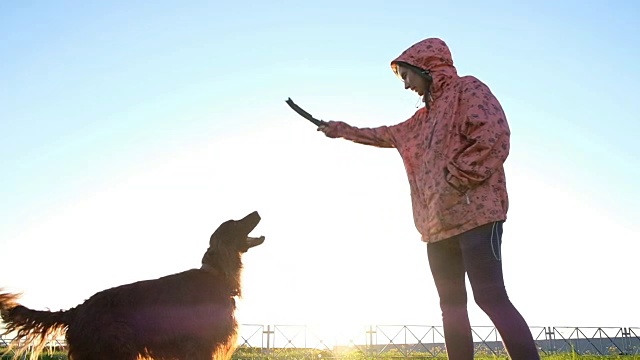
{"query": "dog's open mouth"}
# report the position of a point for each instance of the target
(254, 241)
(250, 222)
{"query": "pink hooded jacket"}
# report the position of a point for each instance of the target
(453, 152)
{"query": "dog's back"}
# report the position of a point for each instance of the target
(188, 315)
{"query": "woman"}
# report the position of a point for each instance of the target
(453, 150)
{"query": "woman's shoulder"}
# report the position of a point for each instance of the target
(470, 83)
(473, 89)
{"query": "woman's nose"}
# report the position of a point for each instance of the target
(406, 85)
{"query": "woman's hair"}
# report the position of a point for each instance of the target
(420, 71)
(423, 73)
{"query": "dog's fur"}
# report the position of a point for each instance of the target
(188, 315)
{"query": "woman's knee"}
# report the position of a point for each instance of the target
(494, 297)
(452, 298)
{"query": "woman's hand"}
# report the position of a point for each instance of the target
(327, 129)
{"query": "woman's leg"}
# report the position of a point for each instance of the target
(483, 263)
(447, 268)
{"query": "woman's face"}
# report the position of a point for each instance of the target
(413, 80)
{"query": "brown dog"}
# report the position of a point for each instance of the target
(188, 315)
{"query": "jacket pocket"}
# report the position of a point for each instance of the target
(451, 206)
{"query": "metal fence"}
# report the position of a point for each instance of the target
(408, 341)
(413, 341)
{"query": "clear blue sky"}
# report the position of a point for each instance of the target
(128, 131)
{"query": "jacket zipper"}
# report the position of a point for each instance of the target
(433, 130)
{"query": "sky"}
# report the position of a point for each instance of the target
(129, 131)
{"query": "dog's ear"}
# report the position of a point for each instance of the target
(221, 232)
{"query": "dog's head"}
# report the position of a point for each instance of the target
(227, 244)
(234, 234)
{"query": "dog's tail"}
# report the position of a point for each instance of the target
(33, 329)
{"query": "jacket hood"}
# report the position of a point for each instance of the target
(433, 55)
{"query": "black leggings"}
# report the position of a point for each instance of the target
(477, 252)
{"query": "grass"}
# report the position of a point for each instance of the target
(310, 354)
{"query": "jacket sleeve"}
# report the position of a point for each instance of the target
(488, 138)
(382, 136)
